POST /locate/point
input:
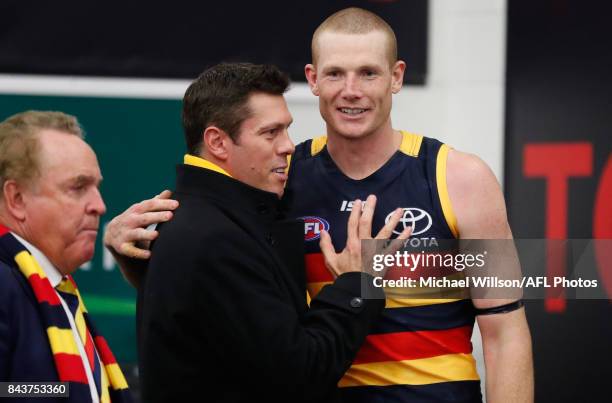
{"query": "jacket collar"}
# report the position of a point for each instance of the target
(189, 159)
(208, 183)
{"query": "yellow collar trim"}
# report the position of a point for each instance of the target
(202, 163)
(411, 143)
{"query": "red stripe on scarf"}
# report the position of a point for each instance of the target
(105, 352)
(3, 230)
(89, 350)
(70, 368)
(43, 292)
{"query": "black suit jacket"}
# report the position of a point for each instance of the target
(223, 313)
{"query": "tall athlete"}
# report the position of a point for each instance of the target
(421, 350)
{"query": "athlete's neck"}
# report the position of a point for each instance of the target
(359, 158)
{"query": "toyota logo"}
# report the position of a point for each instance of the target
(418, 219)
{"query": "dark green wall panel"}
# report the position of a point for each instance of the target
(138, 143)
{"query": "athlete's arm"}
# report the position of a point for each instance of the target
(480, 209)
(127, 238)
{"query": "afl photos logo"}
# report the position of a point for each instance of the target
(313, 227)
(418, 219)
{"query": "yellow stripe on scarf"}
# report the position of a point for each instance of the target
(28, 264)
(105, 396)
(62, 341)
(116, 376)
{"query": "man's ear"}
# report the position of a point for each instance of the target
(13, 198)
(311, 76)
(397, 76)
(217, 142)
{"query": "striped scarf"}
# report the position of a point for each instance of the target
(110, 382)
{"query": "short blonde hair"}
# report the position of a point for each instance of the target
(19, 145)
(355, 20)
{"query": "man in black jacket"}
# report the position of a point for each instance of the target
(223, 312)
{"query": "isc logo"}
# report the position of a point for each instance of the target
(313, 227)
(346, 205)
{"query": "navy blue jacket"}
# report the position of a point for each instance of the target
(25, 353)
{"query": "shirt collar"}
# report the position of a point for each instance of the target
(202, 163)
(54, 276)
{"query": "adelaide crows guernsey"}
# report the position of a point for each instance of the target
(420, 350)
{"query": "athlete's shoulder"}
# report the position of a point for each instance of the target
(304, 151)
(309, 148)
(468, 170)
(411, 143)
(419, 146)
(476, 196)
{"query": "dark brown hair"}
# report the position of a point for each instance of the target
(219, 97)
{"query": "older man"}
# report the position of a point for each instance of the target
(50, 208)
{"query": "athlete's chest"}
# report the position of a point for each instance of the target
(324, 199)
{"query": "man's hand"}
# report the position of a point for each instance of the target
(359, 227)
(126, 234)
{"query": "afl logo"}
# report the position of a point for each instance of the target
(313, 227)
(418, 219)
